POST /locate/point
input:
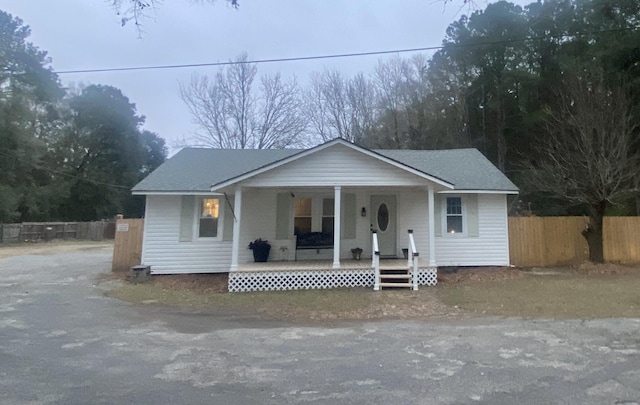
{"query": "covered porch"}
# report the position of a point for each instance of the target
(328, 223)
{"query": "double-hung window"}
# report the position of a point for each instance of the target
(328, 208)
(208, 218)
(313, 214)
(454, 215)
(302, 216)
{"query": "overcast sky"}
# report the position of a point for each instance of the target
(86, 34)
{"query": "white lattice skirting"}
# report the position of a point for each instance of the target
(245, 281)
(428, 276)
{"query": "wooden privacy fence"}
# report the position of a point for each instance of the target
(37, 231)
(622, 239)
(127, 247)
(549, 241)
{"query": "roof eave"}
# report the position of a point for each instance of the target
(174, 192)
(478, 191)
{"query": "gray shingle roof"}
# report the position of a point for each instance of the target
(466, 169)
(196, 169)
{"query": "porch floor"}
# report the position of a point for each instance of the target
(301, 265)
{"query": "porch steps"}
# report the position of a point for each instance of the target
(395, 278)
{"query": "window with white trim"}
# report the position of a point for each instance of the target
(302, 216)
(328, 215)
(454, 215)
(209, 218)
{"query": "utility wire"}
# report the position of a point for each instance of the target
(340, 55)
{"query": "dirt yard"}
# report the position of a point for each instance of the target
(583, 291)
(209, 293)
(47, 248)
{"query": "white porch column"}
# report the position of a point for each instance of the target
(237, 210)
(432, 228)
(337, 220)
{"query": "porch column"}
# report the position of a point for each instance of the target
(237, 210)
(337, 220)
(432, 228)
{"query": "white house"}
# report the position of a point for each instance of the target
(204, 206)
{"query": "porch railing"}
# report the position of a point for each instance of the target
(412, 259)
(375, 260)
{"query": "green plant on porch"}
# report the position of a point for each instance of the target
(261, 249)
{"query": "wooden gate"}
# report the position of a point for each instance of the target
(127, 248)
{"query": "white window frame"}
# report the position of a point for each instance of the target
(444, 216)
(316, 210)
(322, 216)
(293, 213)
(196, 219)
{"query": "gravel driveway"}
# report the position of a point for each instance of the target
(62, 341)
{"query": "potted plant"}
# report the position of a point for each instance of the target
(261, 249)
(357, 253)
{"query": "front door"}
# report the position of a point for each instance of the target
(383, 216)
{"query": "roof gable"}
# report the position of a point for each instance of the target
(339, 165)
(318, 149)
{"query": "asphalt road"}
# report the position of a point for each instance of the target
(63, 342)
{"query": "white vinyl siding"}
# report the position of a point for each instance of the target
(167, 255)
(337, 165)
(259, 218)
(163, 250)
(413, 213)
(489, 248)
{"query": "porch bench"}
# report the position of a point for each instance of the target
(313, 241)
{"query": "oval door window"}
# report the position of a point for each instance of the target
(383, 217)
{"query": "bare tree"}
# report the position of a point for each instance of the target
(137, 10)
(316, 109)
(230, 115)
(338, 107)
(362, 102)
(280, 122)
(401, 85)
(588, 158)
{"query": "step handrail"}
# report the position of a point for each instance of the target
(375, 260)
(412, 259)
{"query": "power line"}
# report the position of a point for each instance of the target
(293, 59)
(337, 56)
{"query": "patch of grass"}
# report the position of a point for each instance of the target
(550, 296)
